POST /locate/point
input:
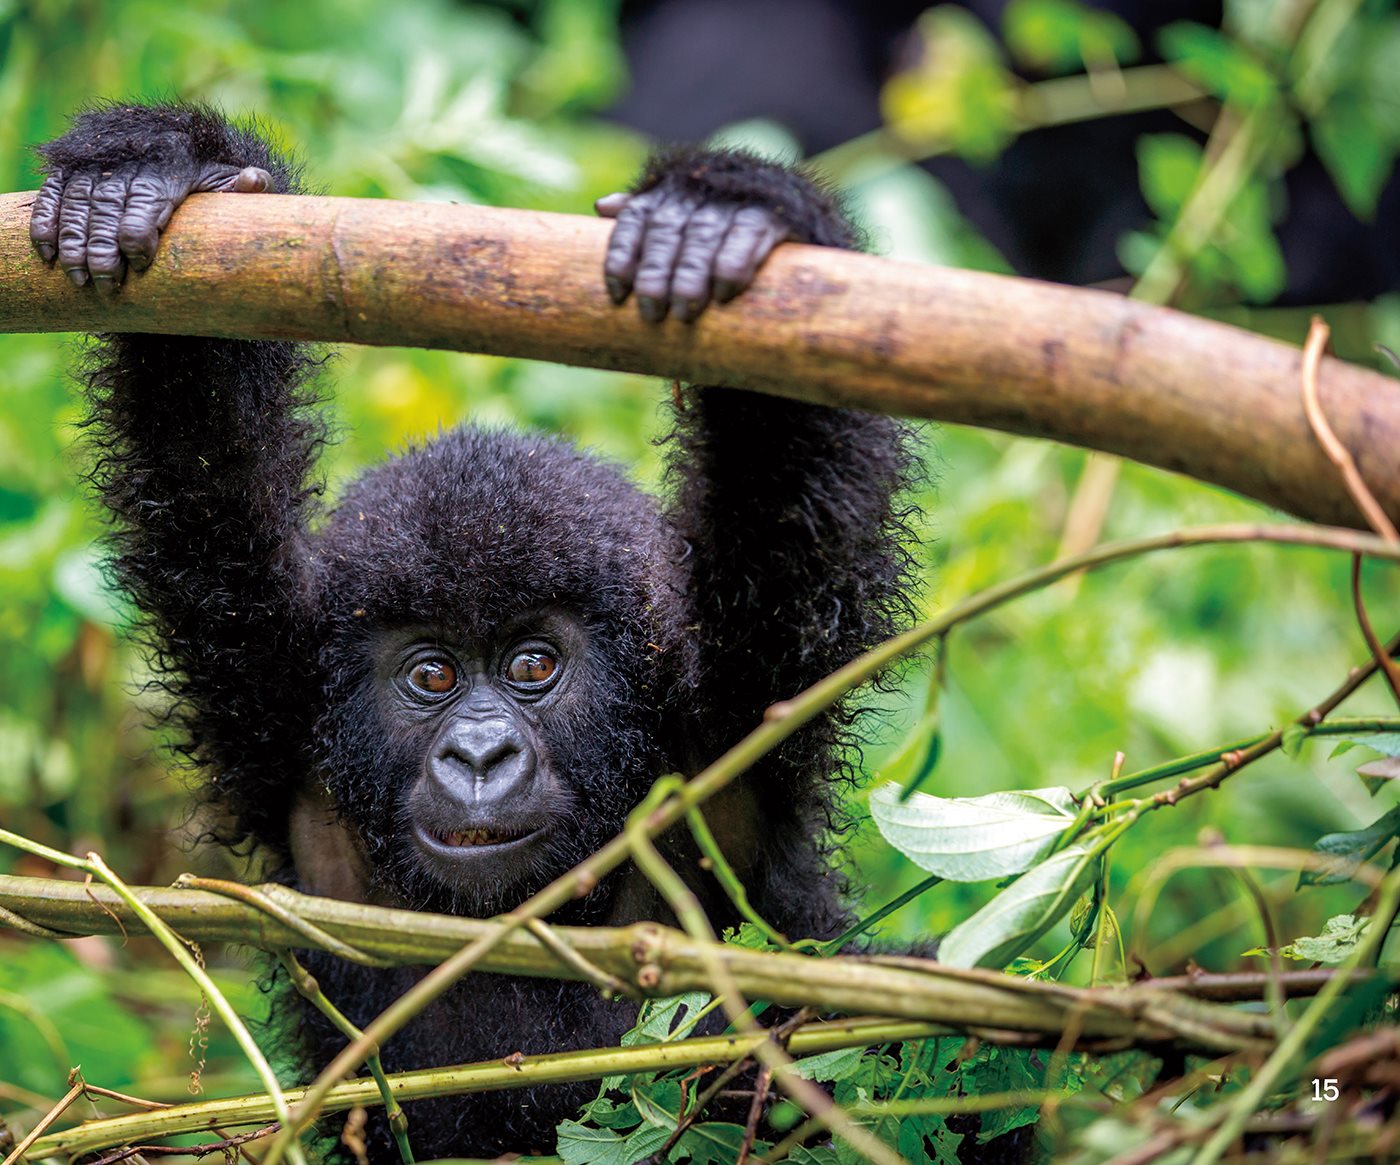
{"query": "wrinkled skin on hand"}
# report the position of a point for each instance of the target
(96, 223)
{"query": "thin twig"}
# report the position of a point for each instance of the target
(75, 1090)
(309, 988)
(779, 1032)
(682, 900)
(200, 1150)
(1388, 666)
(308, 930)
(606, 983)
(728, 878)
(93, 865)
(1233, 762)
(761, 1085)
(1337, 453)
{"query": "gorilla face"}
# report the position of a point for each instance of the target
(501, 628)
(485, 807)
(475, 772)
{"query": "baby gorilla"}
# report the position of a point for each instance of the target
(453, 686)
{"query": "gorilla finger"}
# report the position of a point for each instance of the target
(43, 219)
(252, 180)
(104, 258)
(73, 228)
(750, 241)
(661, 247)
(150, 202)
(611, 205)
(624, 246)
(225, 179)
(704, 233)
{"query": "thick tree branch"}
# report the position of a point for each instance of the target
(1085, 367)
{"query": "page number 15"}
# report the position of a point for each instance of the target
(1325, 1089)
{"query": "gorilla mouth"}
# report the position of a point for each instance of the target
(467, 838)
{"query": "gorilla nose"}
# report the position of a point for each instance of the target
(482, 759)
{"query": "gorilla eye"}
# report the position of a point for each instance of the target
(434, 676)
(532, 669)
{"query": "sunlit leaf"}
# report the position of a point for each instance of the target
(973, 839)
(959, 95)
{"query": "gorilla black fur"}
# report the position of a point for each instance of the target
(278, 626)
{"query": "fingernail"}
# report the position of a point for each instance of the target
(47, 252)
(617, 289)
(105, 284)
(78, 275)
(653, 310)
(725, 290)
(252, 180)
(688, 310)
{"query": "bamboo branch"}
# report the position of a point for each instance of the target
(1080, 366)
(675, 963)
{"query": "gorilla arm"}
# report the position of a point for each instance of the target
(204, 452)
(798, 559)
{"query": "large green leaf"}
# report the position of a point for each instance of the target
(1022, 912)
(973, 839)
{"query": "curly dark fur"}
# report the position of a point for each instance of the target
(781, 556)
(813, 211)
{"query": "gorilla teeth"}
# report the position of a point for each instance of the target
(470, 837)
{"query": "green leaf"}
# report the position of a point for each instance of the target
(1022, 912)
(959, 94)
(821, 1155)
(1294, 736)
(1338, 939)
(910, 1144)
(659, 1103)
(829, 1066)
(656, 1020)
(997, 1069)
(1218, 64)
(973, 839)
(659, 1017)
(580, 1145)
(611, 1114)
(1385, 743)
(1346, 851)
(1379, 773)
(1168, 166)
(1062, 36)
(749, 937)
(715, 1143)
(1255, 261)
(94, 1029)
(1352, 145)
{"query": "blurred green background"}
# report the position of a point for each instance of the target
(429, 99)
